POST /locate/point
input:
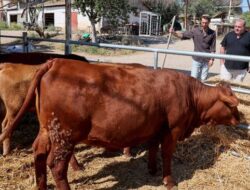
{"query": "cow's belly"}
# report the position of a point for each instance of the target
(119, 123)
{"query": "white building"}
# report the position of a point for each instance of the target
(54, 14)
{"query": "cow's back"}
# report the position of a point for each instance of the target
(14, 81)
(35, 58)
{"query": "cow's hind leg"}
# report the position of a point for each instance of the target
(74, 163)
(6, 142)
(41, 148)
(127, 152)
(58, 162)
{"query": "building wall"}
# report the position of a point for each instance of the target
(84, 24)
(59, 18)
(15, 12)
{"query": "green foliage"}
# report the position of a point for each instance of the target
(100, 51)
(15, 26)
(246, 16)
(88, 7)
(114, 11)
(33, 34)
(166, 12)
(3, 25)
(200, 7)
(51, 28)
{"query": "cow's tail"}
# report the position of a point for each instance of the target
(28, 100)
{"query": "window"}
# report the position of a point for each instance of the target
(13, 18)
(49, 19)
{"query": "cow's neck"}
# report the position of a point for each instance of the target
(204, 99)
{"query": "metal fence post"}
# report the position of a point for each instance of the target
(0, 42)
(67, 46)
(25, 42)
(155, 60)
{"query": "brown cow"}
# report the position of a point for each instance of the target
(116, 107)
(15, 80)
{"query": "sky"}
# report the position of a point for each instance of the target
(244, 6)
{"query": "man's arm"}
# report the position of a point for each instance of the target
(212, 50)
(222, 51)
(176, 34)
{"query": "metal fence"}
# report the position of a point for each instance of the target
(27, 40)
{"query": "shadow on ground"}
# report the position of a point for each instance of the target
(133, 174)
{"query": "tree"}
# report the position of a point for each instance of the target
(87, 7)
(246, 16)
(167, 9)
(114, 11)
(200, 7)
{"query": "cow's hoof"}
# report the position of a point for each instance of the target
(6, 151)
(170, 183)
(77, 168)
(127, 152)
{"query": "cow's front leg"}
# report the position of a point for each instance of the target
(167, 149)
(152, 157)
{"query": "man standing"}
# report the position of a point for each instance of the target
(204, 40)
(236, 42)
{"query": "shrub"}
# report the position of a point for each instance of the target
(3, 25)
(100, 51)
(246, 16)
(51, 28)
(15, 26)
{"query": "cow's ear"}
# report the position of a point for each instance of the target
(230, 100)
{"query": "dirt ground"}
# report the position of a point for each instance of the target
(211, 159)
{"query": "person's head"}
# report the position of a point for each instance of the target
(239, 26)
(205, 20)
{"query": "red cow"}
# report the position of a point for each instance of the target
(117, 107)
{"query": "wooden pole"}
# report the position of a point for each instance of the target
(169, 38)
(248, 3)
(67, 47)
(186, 14)
(229, 11)
(43, 19)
